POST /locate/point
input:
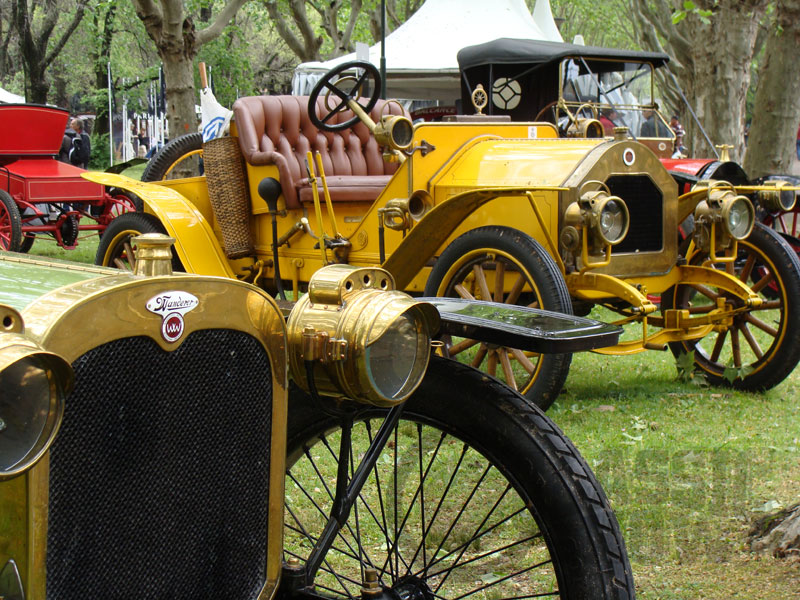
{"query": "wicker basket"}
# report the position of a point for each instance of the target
(229, 195)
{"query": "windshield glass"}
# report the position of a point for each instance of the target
(620, 92)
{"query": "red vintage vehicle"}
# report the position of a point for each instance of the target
(40, 196)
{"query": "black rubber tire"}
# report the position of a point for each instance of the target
(546, 289)
(27, 243)
(111, 250)
(171, 154)
(457, 409)
(10, 223)
(775, 275)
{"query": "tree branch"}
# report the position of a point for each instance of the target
(59, 45)
(220, 23)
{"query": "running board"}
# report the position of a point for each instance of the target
(521, 327)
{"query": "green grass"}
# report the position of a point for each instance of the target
(688, 469)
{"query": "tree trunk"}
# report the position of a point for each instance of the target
(712, 61)
(771, 144)
(178, 42)
(778, 534)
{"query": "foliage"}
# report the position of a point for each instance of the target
(690, 8)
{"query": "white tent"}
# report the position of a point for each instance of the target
(9, 98)
(421, 53)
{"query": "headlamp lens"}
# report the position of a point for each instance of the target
(395, 356)
(613, 223)
(27, 393)
(740, 218)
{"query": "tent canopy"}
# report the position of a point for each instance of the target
(9, 98)
(421, 54)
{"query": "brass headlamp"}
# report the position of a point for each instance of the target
(777, 199)
(585, 128)
(33, 384)
(394, 131)
(603, 217)
(364, 340)
(722, 218)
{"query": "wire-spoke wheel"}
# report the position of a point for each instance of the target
(179, 158)
(762, 345)
(500, 264)
(476, 494)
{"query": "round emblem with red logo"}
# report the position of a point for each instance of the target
(172, 327)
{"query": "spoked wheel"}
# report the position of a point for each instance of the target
(476, 494)
(763, 345)
(115, 248)
(10, 223)
(339, 92)
(179, 158)
(500, 264)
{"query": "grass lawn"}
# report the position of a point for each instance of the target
(687, 468)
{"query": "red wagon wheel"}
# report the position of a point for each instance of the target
(10, 223)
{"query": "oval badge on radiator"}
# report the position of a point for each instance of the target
(171, 306)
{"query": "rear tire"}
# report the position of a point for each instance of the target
(183, 149)
(478, 256)
(476, 494)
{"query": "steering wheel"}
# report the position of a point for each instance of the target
(331, 82)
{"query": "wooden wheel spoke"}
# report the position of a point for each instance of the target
(508, 371)
(499, 280)
(747, 268)
(523, 360)
(736, 349)
(770, 305)
(461, 346)
(483, 286)
(479, 355)
(516, 290)
(707, 292)
(719, 344)
(765, 327)
(759, 285)
(751, 341)
(701, 310)
(463, 292)
(491, 365)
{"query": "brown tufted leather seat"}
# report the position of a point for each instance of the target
(276, 130)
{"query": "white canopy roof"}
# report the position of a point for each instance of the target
(421, 53)
(9, 98)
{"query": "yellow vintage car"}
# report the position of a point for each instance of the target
(479, 207)
(185, 437)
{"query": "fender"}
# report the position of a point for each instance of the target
(430, 233)
(197, 246)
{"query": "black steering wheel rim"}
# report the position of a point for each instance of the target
(370, 72)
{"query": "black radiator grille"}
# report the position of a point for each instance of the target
(646, 207)
(159, 475)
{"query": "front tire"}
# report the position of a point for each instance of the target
(115, 250)
(476, 494)
(762, 346)
(500, 264)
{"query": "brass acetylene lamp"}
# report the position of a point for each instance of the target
(777, 199)
(33, 384)
(603, 218)
(722, 218)
(354, 336)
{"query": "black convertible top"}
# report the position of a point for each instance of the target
(522, 51)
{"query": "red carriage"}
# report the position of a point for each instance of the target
(40, 196)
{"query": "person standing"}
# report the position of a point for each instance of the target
(85, 151)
